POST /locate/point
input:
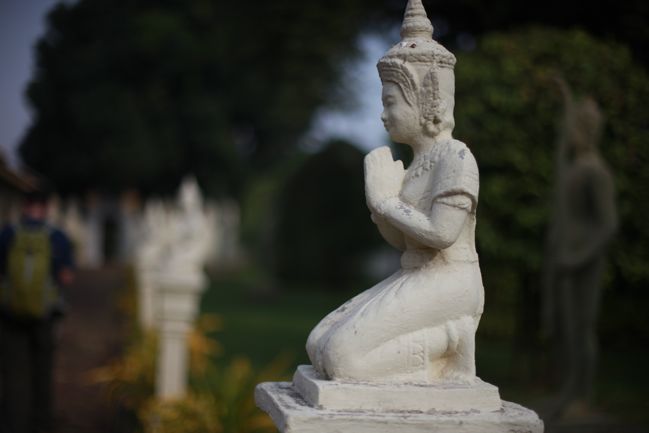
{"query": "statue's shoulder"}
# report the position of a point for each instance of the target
(456, 169)
(455, 151)
(455, 159)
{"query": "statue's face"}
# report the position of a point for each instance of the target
(400, 119)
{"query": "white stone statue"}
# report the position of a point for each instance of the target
(419, 324)
(191, 234)
(399, 357)
(179, 281)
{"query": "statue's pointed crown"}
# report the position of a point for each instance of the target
(417, 46)
(416, 61)
(416, 22)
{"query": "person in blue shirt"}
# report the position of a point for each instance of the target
(35, 263)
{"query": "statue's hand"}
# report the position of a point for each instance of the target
(383, 177)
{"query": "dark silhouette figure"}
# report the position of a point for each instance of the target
(583, 224)
(35, 261)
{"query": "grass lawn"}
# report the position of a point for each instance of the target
(261, 328)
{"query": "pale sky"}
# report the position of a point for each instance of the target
(22, 22)
(362, 125)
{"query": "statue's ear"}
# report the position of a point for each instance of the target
(432, 127)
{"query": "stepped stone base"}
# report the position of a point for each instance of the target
(313, 405)
(336, 395)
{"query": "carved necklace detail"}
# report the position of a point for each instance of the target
(425, 164)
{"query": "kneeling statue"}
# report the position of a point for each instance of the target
(419, 324)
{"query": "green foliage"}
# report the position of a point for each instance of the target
(323, 231)
(222, 402)
(129, 379)
(191, 414)
(221, 394)
(259, 214)
(507, 111)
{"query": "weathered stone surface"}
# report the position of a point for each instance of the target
(441, 396)
(292, 414)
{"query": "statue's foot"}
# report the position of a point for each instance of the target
(459, 377)
(460, 365)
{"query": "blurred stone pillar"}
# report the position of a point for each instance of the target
(178, 297)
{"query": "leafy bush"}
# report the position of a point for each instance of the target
(192, 414)
(130, 379)
(223, 402)
(221, 396)
(324, 232)
(507, 112)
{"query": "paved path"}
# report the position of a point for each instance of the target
(88, 337)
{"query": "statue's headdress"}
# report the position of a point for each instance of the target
(414, 62)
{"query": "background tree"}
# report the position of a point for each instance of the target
(462, 20)
(138, 93)
(323, 230)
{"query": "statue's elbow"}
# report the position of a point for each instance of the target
(445, 242)
(440, 240)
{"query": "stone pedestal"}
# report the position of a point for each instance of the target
(177, 309)
(313, 405)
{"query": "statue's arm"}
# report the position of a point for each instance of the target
(439, 229)
(439, 226)
(392, 235)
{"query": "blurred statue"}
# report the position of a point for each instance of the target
(583, 224)
(153, 239)
(153, 235)
(419, 324)
(191, 233)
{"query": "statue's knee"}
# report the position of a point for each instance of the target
(312, 345)
(341, 359)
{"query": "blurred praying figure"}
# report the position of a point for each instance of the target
(35, 261)
(583, 225)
